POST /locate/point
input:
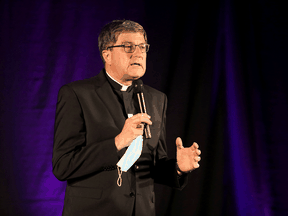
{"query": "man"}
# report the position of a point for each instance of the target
(93, 131)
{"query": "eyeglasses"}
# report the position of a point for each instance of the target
(130, 48)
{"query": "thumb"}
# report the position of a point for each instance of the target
(179, 143)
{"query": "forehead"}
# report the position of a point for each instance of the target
(134, 37)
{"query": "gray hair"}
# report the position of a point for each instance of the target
(111, 31)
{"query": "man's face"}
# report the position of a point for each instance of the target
(127, 66)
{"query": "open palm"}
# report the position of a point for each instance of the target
(187, 158)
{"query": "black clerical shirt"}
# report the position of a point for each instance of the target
(126, 98)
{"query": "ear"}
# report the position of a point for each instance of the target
(107, 56)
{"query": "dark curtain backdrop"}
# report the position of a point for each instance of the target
(222, 64)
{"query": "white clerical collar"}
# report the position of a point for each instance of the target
(124, 87)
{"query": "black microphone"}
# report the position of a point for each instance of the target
(138, 89)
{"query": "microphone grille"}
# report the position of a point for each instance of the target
(138, 86)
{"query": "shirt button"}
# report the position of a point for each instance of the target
(132, 194)
(136, 167)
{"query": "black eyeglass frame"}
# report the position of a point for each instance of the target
(147, 46)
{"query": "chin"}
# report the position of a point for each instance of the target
(135, 74)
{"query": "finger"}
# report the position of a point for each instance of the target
(196, 165)
(138, 131)
(139, 115)
(197, 159)
(142, 119)
(198, 152)
(147, 121)
(179, 143)
(195, 145)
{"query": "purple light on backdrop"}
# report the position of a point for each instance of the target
(244, 200)
(58, 45)
(251, 193)
(54, 45)
(50, 43)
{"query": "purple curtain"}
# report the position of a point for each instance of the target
(222, 64)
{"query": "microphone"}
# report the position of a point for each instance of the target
(138, 89)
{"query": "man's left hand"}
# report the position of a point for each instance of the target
(187, 158)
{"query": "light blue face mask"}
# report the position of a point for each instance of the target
(130, 157)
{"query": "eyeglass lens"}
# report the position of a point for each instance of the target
(131, 48)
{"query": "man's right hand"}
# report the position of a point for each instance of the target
(133, 127)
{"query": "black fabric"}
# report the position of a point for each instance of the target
(221, 63)
(88, 118)
(126, 98)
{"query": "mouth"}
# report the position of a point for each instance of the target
(136, 64)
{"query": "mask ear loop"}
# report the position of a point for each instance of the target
(119, 180)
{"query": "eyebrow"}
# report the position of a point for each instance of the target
(127, 42)
(131, 42)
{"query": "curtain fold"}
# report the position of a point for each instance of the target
(221, 63)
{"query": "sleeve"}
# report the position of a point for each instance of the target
(165, 171)
(72, 157)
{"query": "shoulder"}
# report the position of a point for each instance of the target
(77, 87)
(83, 84)
(154, 92)
(155, 98)
(86, 84)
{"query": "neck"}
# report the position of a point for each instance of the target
(124, 86)
(120, 80)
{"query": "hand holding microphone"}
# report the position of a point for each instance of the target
(133, 126)
(131, 130)
(131, 134)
